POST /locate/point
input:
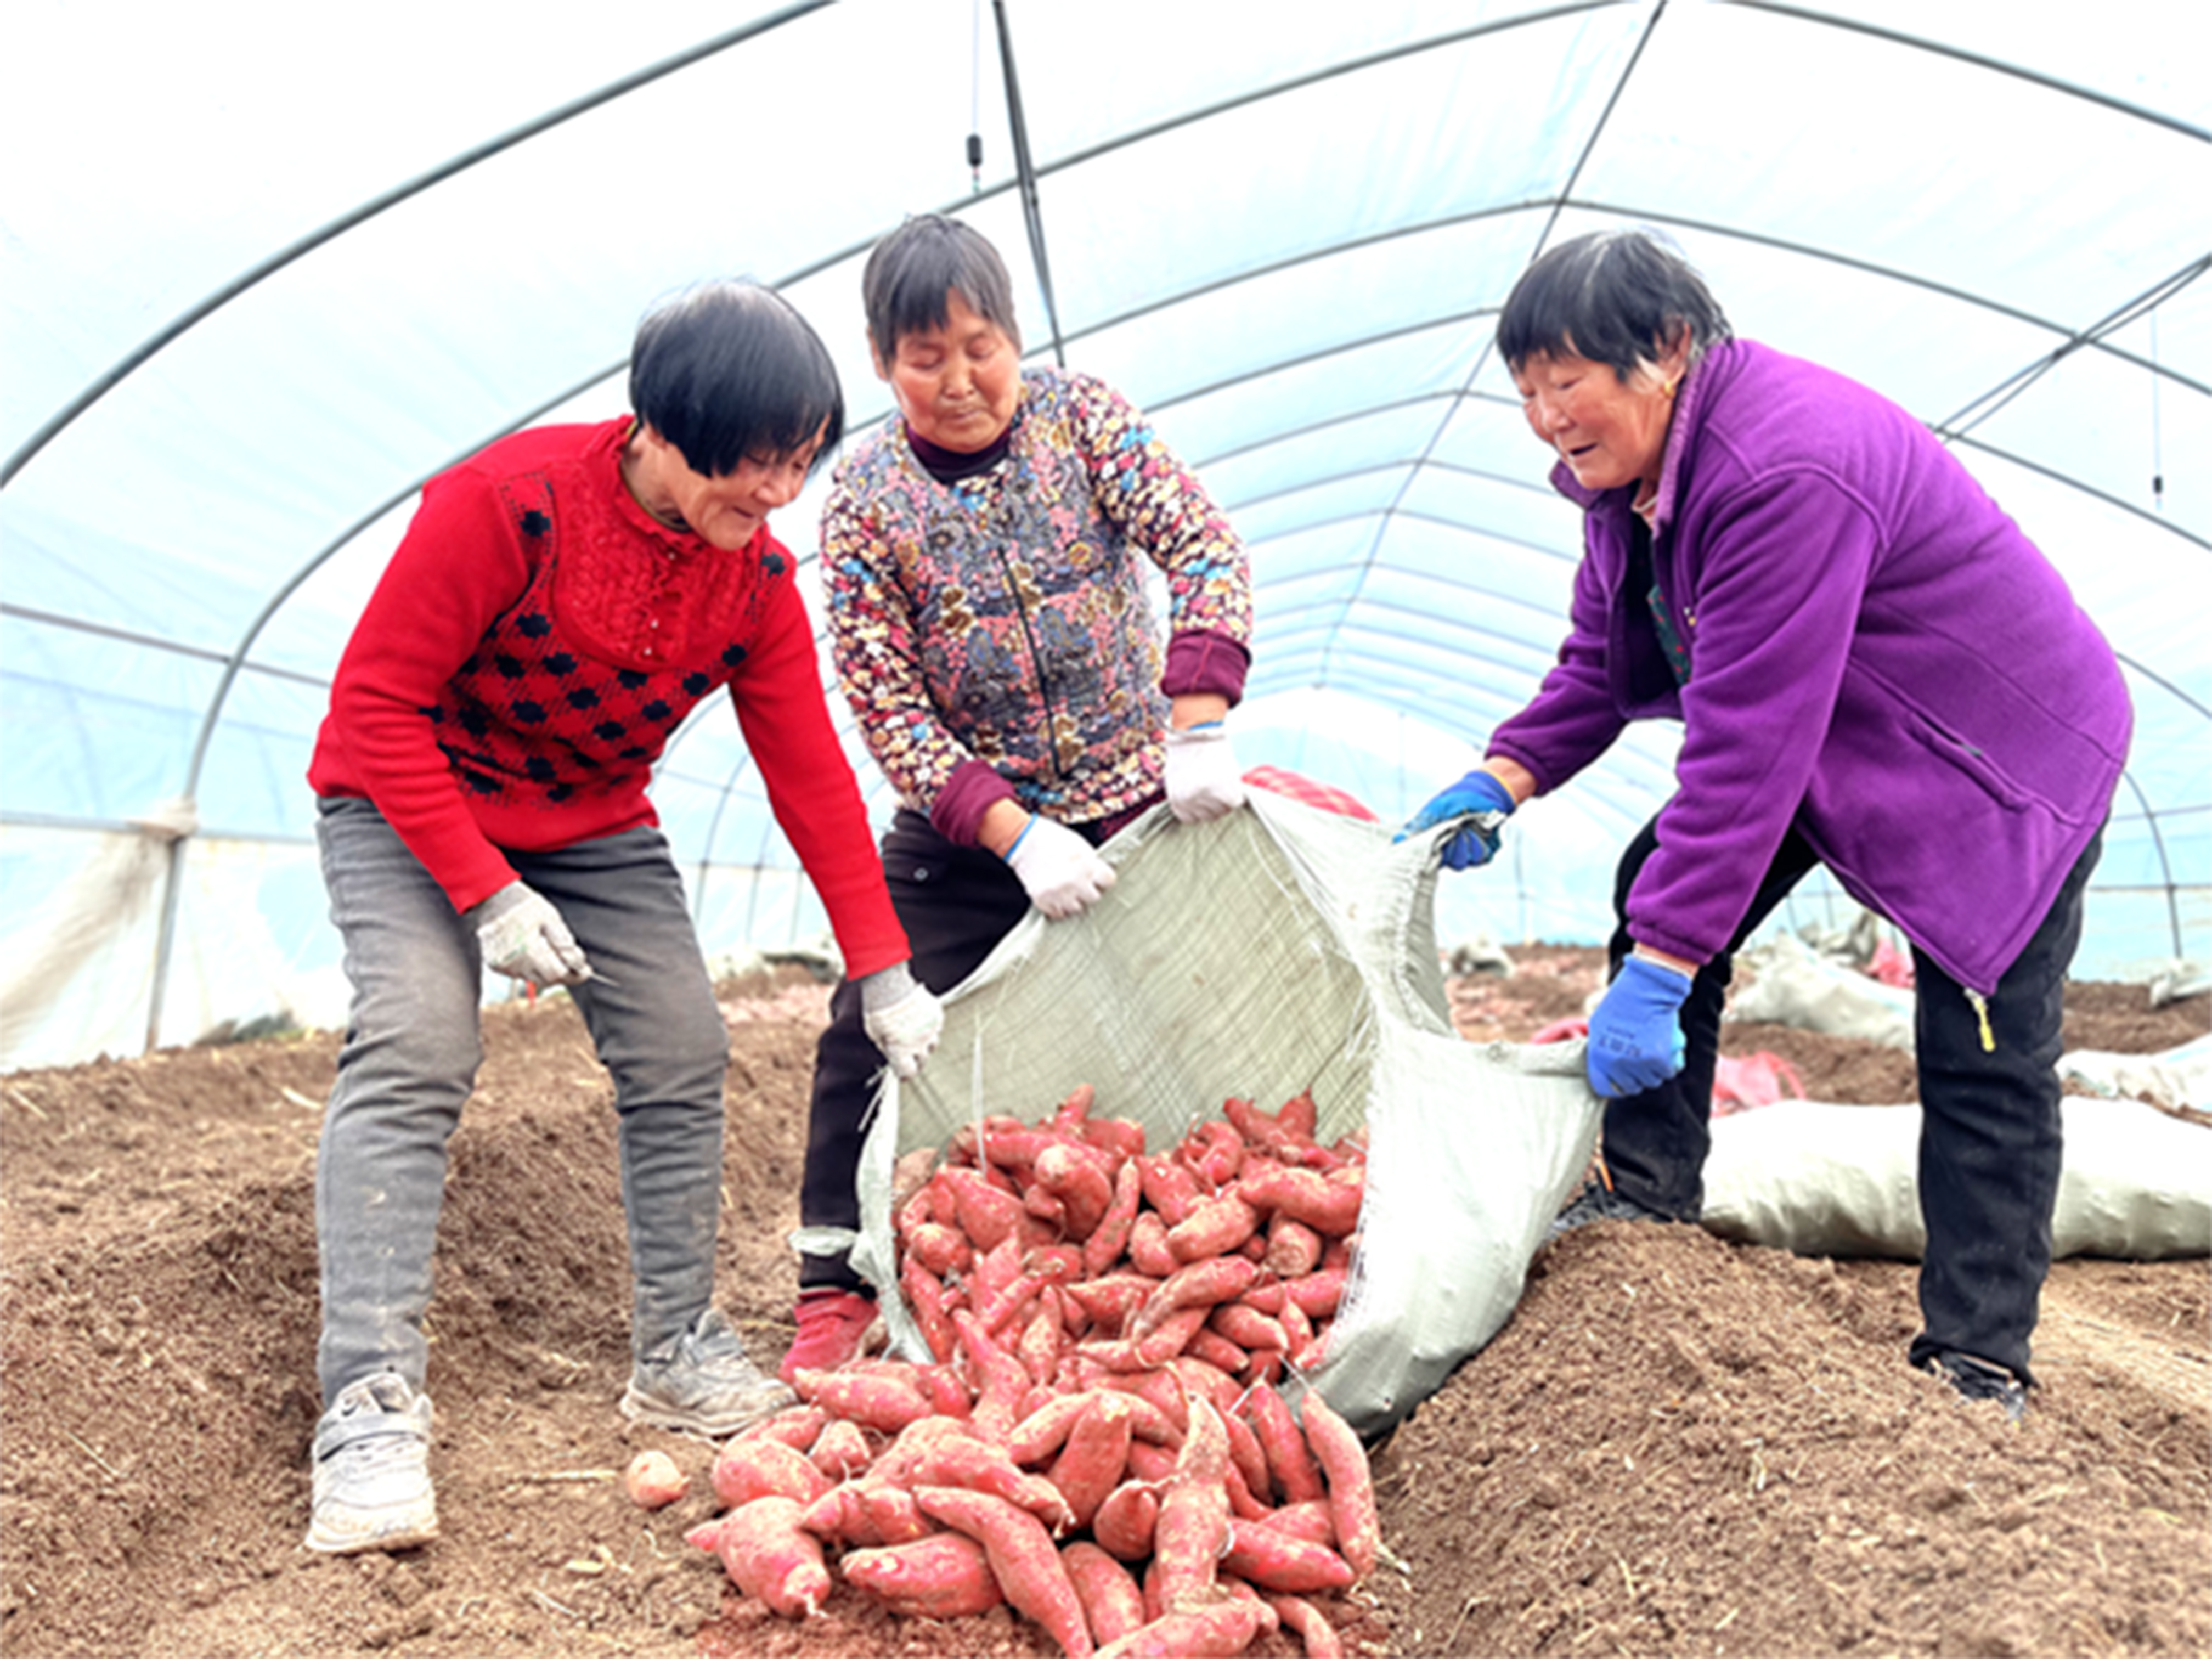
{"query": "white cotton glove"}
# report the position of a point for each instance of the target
(1062, 873)
(900, 1017)
(1203, 781)
(523, 936)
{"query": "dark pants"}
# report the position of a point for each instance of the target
(1990, 1140)
(955, 903)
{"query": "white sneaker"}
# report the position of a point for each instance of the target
(704, 1383)
(373, 1469)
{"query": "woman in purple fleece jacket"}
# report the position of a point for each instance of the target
(1875, 670)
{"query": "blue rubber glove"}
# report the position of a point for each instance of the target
(1635, 1037)
(1482, 802)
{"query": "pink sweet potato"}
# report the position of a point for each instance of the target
(1103, 1247)
(1113, 1606)
(1283, 1442)
(1344, 1466)
(1023, 1560)
(756, 1467)
(974, 1466)
(1193, 1524)
(1096, 1456)
(768, 1556)
(842, 1451)
(1219, 1630)
(873, 1400)
(1124, 1523)
(652, 1480)
(1311, 1625)
(1215, 1226)
(946, 1575)
(1274, 1560)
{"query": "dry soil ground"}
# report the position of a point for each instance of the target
(1677, 1446)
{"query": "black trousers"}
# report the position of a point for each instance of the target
(1991, 1131)
(955, 903)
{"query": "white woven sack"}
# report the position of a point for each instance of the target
(1826, 1180)
(1279, 949)
(1793, 985)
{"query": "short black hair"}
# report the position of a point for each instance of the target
(912, 270)
(729, 370)
(1618, 297)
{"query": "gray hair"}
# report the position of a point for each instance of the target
(1619, 297)
(913, 269)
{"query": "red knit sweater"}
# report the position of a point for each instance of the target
(535, 640)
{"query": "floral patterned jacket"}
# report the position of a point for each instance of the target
(995, 635)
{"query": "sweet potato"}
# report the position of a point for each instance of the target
(1298, 1116)
(1149, 1462)
(925, 1299)
(1199, 1285)
(1310, 1625)
(1092, 1462)
(1317, 1294)
(940, 1249)
(1117, 1137)
(873, 1399)
(653, 1482)
(1155, 1348)
(1283, 1443)
(1294, 1248)
(1107, 1241)
(1217, 1631)
(1274, 1560)
(1248, 1327)
(1216, 1350)
(1327, 1205)
(1350, 1482)
(1078, 1175)
(756, 1467)
(1113, 1606)
(1309, 1520)
(1213, 1152)
(1148, 1245)
(1029, 1571)
(891, 1512)
(1170, 1188)
(946, 1575)
(796, 1426)
(1043, 1337)
(1246, 1455)
(1124, 1523)
(1075, 1110)
(1193, 1524)
(842, 1452)
(988, 1214)
(1215, 1226)
(1110, 1300)
(768, 1556)
(974, 1466)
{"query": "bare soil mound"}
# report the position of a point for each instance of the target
(1677, 1446)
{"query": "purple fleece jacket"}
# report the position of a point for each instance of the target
(1878, 655)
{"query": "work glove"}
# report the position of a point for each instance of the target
(1635, 1036)
(1203, 781)
(1481, 804)
(900, 1017)
(1061, 872)
(522, 935)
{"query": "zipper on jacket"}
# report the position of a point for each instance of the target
(1037, 667)
(1980, 1004)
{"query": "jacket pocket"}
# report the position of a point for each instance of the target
(1969, 758)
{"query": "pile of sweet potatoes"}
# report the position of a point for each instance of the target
(1098, 1440)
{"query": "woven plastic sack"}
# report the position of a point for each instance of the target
(1279, 949)
(1826, 1180)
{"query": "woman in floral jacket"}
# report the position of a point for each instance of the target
(987, 557)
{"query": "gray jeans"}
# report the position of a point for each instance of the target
(412, 1047)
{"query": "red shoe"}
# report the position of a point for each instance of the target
(831, 1327)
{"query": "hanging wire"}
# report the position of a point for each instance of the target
(2157, 438)
(976, 101)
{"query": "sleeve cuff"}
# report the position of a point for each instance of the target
(975, 788)
(1204, 662)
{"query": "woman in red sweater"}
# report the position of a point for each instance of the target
(560, 603)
